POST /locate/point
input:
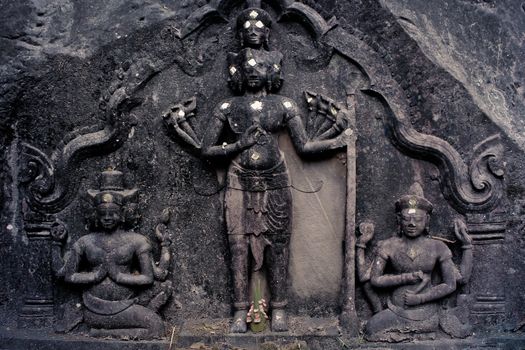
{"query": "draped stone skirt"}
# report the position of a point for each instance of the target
(258, 203)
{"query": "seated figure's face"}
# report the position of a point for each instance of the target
(413, 222)
(254, 33)
(109, 215)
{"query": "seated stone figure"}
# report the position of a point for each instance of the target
(112, 264)
(420, 273)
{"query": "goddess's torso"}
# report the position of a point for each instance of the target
(270, 113)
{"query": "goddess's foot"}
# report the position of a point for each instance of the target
(239, 322)
(279, 320)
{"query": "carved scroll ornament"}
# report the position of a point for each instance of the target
(49, 181)
(477, 187)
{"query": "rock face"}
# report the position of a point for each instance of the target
(258, 137)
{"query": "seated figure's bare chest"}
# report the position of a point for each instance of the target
(108, 250)
(414, 258)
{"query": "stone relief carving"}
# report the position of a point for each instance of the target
(258, 198)
(416, 288)
(102, 263)
(474, 188)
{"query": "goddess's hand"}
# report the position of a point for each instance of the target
(250, 136)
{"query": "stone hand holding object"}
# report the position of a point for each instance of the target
(180, 112)
(367, 232)
(251, 136)
(161, 230)
(342, 119)
(461, 232)
(412, 297)
(162, 234)
(58, 232)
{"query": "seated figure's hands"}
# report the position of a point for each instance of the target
(413, 277)
(411, 299)
(113, 269)
(100, 273)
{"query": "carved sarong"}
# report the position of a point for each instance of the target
(258, 203)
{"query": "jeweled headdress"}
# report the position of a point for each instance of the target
(254, 12)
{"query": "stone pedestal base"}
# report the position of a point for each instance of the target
(315, 334)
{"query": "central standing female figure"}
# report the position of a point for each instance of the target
(258, 201)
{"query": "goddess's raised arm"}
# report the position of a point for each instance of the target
(302, 144)
(176, 121)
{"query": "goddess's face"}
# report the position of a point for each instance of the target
(255, 74)
(413, 222)
(109, 215)
(254, 33)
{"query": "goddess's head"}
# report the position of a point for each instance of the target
(253, 70)
(253, 27)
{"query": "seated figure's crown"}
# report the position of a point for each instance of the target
(414, 200)
(111, 189)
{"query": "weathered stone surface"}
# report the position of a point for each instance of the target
(451, 70)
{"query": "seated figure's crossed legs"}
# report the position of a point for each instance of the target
(134, 322)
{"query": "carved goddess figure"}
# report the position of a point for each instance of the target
(103, 263)
(258, 201)
(420, 272)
